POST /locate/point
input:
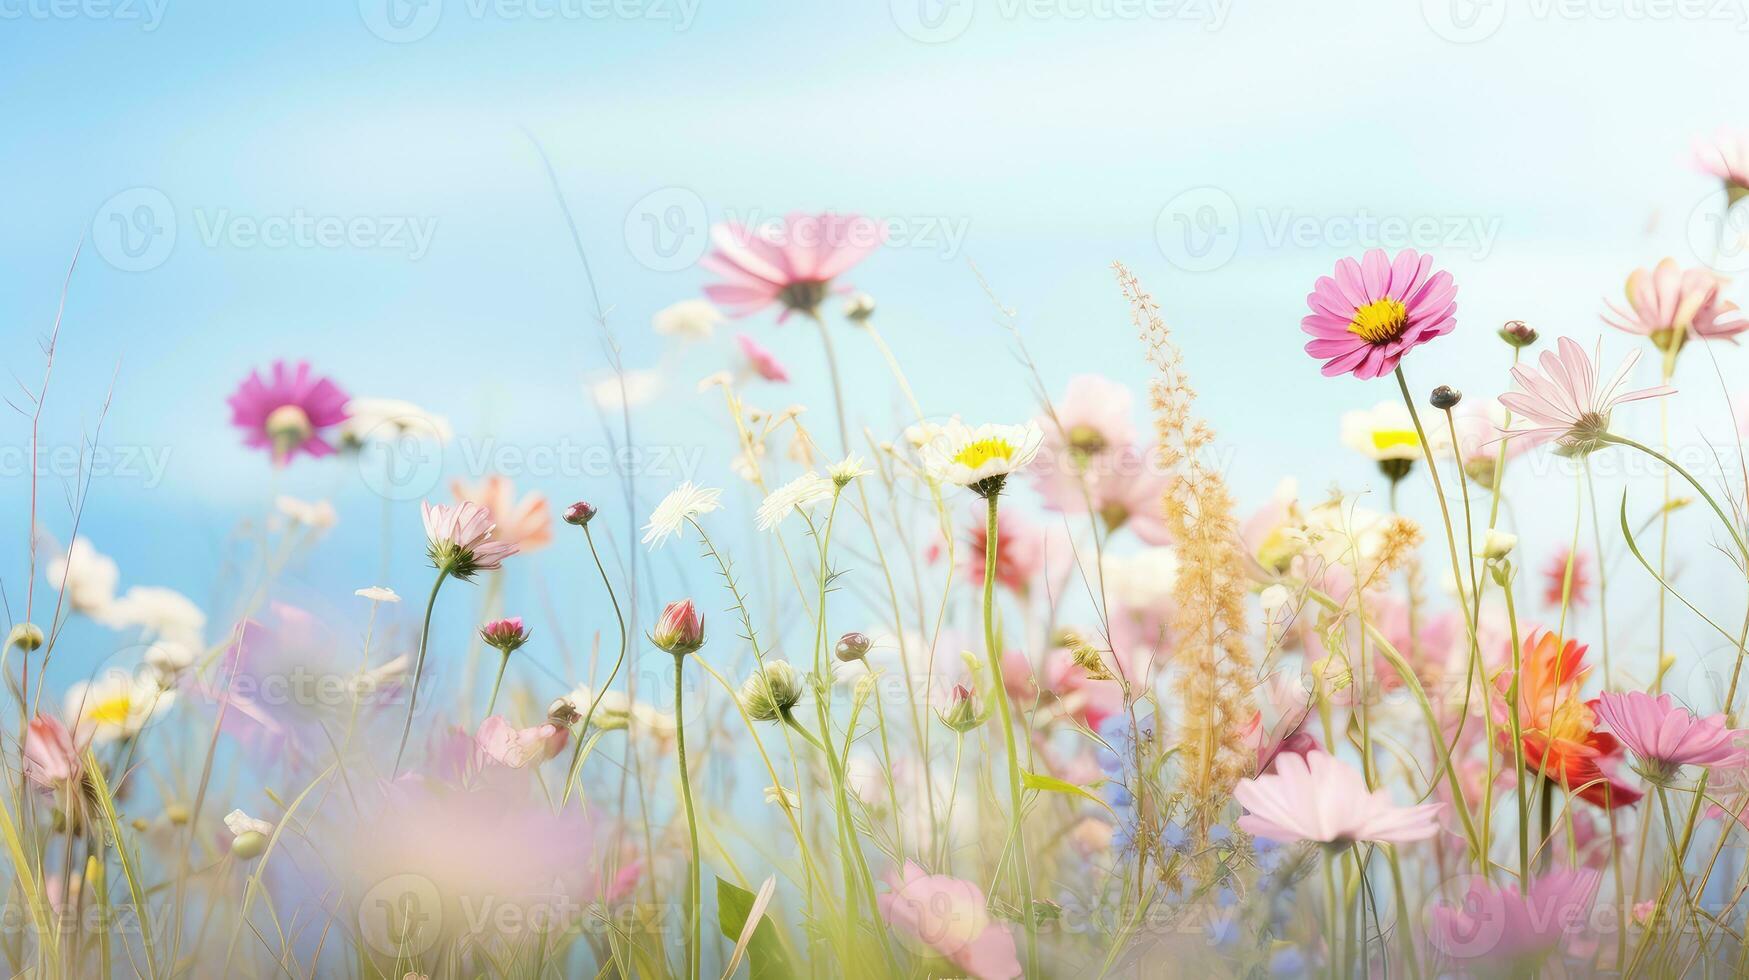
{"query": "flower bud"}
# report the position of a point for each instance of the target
(859, 308)
(1498, 544)
(27, 637)
(249, 845)
(771, 691)
(962, 715)
(853, 647)
(504, 635)
(1445, 397)
(1518, 333)
(680, 631)
(580, 513)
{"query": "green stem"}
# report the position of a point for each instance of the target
(694, 890)
(492, 702)
(419, 668)
(1015, 839)
(576, 769)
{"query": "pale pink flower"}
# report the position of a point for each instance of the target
(1080, 696)
(763, 362)
(1318, 797)
(1369, 314)
(792, 262)
(1664, 736)
(1020, 550)
(936, 915)
(287, 413)
(1092, 418)
(1726, 156)
(1515, 930)
(518, 748)
(51, 760)
(1668, 304)
(525, 523)
(1568, 401)
(461, 539)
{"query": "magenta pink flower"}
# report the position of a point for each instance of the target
(1668, 304)
(1567, 401)
(762, 361)
(287, 413)
(1665, 737)
(519, 748)
(460, 539)
(938, 916)
(51, 760)
(1368, 315)
(1318, 797)
(1514, 930)
(792, 262)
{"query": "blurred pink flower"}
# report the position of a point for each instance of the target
(1556, 584)
(1664, 736)
(762, 361)
(287, 413)
(1080, 696)
(1319, 798)
(525, 523)
(51, 760)
(792, 262)
(1669, 303)
(1371, 312)
(464, 539)
(946, 917)
(1092, 418)
(518, 748)
(1020, 551)
(1567, 400)
(1726, 156)
(1514, 930)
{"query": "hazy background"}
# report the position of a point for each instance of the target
(1228, 153)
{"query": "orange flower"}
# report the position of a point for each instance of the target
(1558, 730)
(526, 523)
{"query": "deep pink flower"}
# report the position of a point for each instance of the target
(1368, 315)
(1514, 930)
(461, 538)
(519, 748)
(762, 361)
(504, 635)
(792, 262)
(1567, 400)
(1665, 736)
(936, 915)
(1668, 304)
(526, 523)
(680, 630)
(1319, 798)
(287, 413)
(51, 760)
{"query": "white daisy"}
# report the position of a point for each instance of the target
(88, 577)
(804, 491)
(378, 593)
(116, 704)
(689, 319)
(388, 419)
(317, 516)
(160, 613)
(639, 388)
(1143, 580)
(670, 516)
(1384, 432)
(847, 469)
(969, 457)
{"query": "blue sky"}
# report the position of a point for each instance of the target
(1542, 151)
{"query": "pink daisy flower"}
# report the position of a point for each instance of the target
(526, 523)
(792, 262)
(1371, 312)
(1668, 304)
(461, 540)
(1726, 156)
(287, 413)
(936, 915)
(1666, 737)
(1515, 930)
(762, 361)
(1567, 401)
(1319, 798)
(51, 759)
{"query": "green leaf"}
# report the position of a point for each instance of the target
(1051, 784)
(766, 957)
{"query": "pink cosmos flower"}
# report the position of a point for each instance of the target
(1020, 551)
(1371, 312)
(1568, 401)
(793, 262)
(287, 413)
(504, 635)
(1515, 930)
(1664, 736)
(762, 361)
(1318, 797)
(1669, 304)
(1726, 156)
(525, 523)
(461, 538)
(51, 760)
(518, 748)
(1092, 418)
(945, 917)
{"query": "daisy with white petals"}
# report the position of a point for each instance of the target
(804, 491)
(981, 458)
(847, 469)
(670, 516)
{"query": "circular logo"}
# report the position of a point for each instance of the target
(1464, 21)
(1718, 233)
(401, 916)
(668, 229)
(401, 21)
(1198, 231)
(932, 21)
(1468, 918)
(400, 459)
(934, 915)
(135, 230)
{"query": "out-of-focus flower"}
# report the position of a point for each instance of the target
(680, 630)
(1510, 932)
(288, 412)
(518, 748)
(1319, 798)
(625, 389)
(249, 835)
(86, 576)
(51, 759)
(159, 613)
(1479, 422)
(981, 458)
(1559, 732)
(1092, 418)
(689, 319)
(683, 504)
(1726, 156)
(25, 636)
(526, 523)
(847, 469)
(1556, 586)
(170, 659)
(462, 539)
(115, 705)
(1497, 544)
(378, 593)
(783, 796)
(939, 916)
(1665, 737)
(763, 362)
(580, 513)
(1020, 550)
(388, 420)
(504, 635)
(1568, 401)
(859, 308)
(314, 515)
(1369, 313)
(798, 494)
(853, 647)
(1384, 434)
(1141, 580)
(1667, 304)
(792, 262)
(771, 691)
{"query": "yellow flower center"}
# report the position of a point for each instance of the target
(983, 451)
(1379, 321)
(110, 711)
(1383, 439)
